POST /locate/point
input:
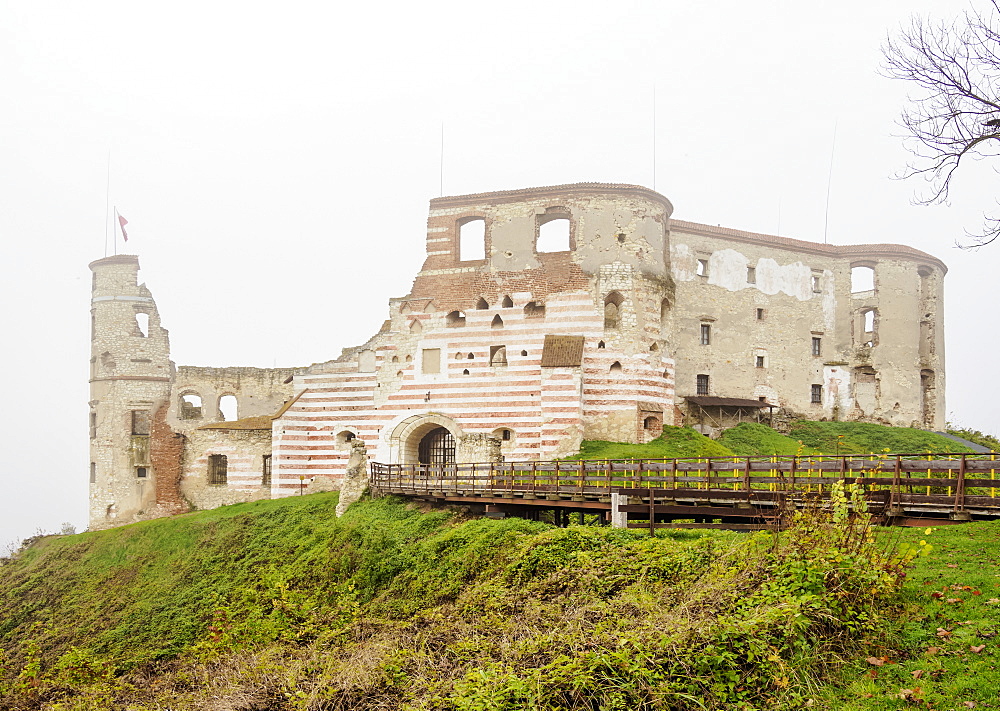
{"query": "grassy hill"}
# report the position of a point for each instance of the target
(752, 439)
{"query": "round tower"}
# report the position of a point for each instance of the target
(130, 375)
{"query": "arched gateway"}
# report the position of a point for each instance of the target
(425, 439)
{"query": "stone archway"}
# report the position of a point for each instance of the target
(407, 436)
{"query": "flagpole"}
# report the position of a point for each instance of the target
(107, 204)
(116, 230)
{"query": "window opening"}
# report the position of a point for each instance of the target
(93, 425)
(701, 381)
(345, 437)
(141, 472)
(524, 353)
(817, 346)
(265, 470)
(533, 309)
(706, 334)
(140, 422)
(702, 268)
(816, 394)
(553, 235)
(869, 321)
(218, 466)
(472, 240)
(751, 275)
(505, 435)
(862, 279)
(409, 358)
(650, 423)
(497, 322)
(654, 348)
(228, 408)
(482, 304)
(612, 313)
(142, 324)
(760, 314)
(415, 326)
(465, 372)
(507, 303)
(616, 367)
(470, 357)
(431, 361)
(395, 359)
(600, 344)
(498, 355)
(455, 318)
(437, 447)
(190, 406)
(93, 472)
(760, 361)
(817, 283)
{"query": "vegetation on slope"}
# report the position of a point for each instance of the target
(864, 438)
(277, 605)
(750, 439)
(674, 442)
(980, 438)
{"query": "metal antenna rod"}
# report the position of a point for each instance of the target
(829, 180)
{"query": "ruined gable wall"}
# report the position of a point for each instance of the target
(258, 391)
(796, 310)
(244, 451)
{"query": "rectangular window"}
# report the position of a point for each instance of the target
(140, 422)
(265, 477)
(93, 425)
(702, 388)
(816, 394)
(706, 334)
(760, 361)
(431, 362)
(760, 314)
(751, 275)
(93, 472)
(817, 347)
(817, 283)
(141, 472)
(702, 268)
(498, 355)
(218, 466)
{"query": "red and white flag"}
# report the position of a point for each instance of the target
(122, 222)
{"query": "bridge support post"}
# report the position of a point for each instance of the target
(619, 518)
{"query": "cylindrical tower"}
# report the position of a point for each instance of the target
(130, 375)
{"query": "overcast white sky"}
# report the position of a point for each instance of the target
(275, 167)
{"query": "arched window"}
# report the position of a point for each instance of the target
(654, 348)
(497, 322)
(507, 303)
(415, 326)
(498, 355)
(465, 371)
(616, 367)
(190, 408)
(345, 437)
(228, 408)
(470, 357)
(455, 318)
(612, 315)
(482, 304)
(553, 234)
(472, 240)
(664, 309)
(600, 344)
(862, 278)
(651, 423)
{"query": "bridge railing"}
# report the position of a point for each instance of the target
(963, 479)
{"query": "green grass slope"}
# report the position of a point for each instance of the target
(675, 442)
(278, 605)
(864, 438)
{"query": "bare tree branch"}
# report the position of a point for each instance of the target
(954, 114)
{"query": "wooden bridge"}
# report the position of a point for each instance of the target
(715, 492)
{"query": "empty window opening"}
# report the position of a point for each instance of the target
(553, 235)
(472, 240)
(482, 304)
(218, 469)
(817, 283)
(399, 374)
(862, 279)
(760, 361)
(395, 359)
(600, 344)
(465, 371)
(816, 394)
(612, 309)
(470, 357)
(817, 346)
(702, 268)
(869, 324)
(664, 309)
(141, 472)
(455, 318)
(928, 398)
(140, 422)
(415, 326)
(751, 275)
(616, 367)
(701, 384)
(345, 437)
(366, 361)
(654, 348)
(409, 359)
(533, 309)
(459, 356)
(498, 355)
(621, 237)
(228, 408)
(505, 435)
(93, 472)
(524, 353)
(651, 423)
(706, 334)
(265, 470)
(190, 406)
(497, 322)
(760, 314)
(93, 425)
(507, 303)
(431, 361)
(761, 398)
(142, 325)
